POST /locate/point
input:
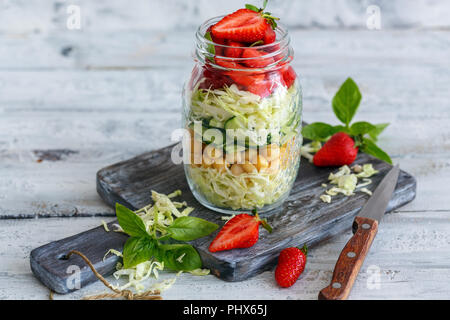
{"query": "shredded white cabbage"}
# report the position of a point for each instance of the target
(261, 113)
(365, 190)
(346, 182)
(158, 215)
(325, 198)
(163, 211)
(105, 226)
(308, 149)
(246, 191)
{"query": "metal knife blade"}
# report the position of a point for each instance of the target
(375, 207)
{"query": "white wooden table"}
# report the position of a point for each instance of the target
(74, 102)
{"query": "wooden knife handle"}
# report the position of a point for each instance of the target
(350, 260)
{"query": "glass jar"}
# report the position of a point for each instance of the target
(243, 121)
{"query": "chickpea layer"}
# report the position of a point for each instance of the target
(269, 159)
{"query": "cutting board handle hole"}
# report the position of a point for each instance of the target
(63, 256)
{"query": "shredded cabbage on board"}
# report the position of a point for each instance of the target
(158, 215)
(346, 182)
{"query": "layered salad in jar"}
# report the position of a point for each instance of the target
(242, 110)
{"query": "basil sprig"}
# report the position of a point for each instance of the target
(143, 245)
(345, 104)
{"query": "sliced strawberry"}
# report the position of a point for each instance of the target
(255, 58)
(214, 79)
(244, 25)
(289, 75)
(338, 151)
(276, 77)
(235, 51)
(242, 231)
(262, 88)
(218, 49)
(269, 36)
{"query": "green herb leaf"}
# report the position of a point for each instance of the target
(179, 257)
(190, 228)
(138, 250)
(130, 222)
(318, 131)
(379, 128)
(252, 7)
(361, 128)
(369, 147)
(346, 101)
(340, 128)
(211, 48)
(264, 5)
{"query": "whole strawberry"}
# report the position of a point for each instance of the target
(242, 231)
(338, 151)
(291, 264)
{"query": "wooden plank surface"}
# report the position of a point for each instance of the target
(302, 219)
(100, 98)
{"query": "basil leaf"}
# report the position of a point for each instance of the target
(138, 250)
(318, 131)
(211, 48)
(371, 148)
(346, 101)
(251, 7)
(179, 257)
(130, 222)
(361, 128)
(190, 228)
(379, 128)
(339, 128)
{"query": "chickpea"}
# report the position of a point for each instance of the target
(270, 152)
(196, 146)
(235, 157)
(196, 159)
(220, 166)
(251, 156)
(262, 163)
(212, 152)
(249, 168)
(237, 170)
(207, 161)
(274, 167)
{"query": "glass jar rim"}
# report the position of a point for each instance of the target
(281, 47)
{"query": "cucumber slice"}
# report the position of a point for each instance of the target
(234, 123)
(249, 137)
(216, 124)
(204, 128)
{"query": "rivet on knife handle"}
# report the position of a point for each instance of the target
(350, 260)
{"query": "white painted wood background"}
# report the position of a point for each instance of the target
(82, 99)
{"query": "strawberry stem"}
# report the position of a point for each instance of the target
(304, 249)
(264, 222)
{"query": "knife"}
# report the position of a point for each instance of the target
(365, 227)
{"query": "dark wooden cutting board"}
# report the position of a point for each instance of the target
(303, 218)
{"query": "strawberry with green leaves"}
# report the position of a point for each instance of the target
(242, 231)
(346, 138)
(245, 25)
(291, 263)
(338, 151)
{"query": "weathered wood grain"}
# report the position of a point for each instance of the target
(303, 219)
(35, 16)
(407, 270)
(55, 99)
